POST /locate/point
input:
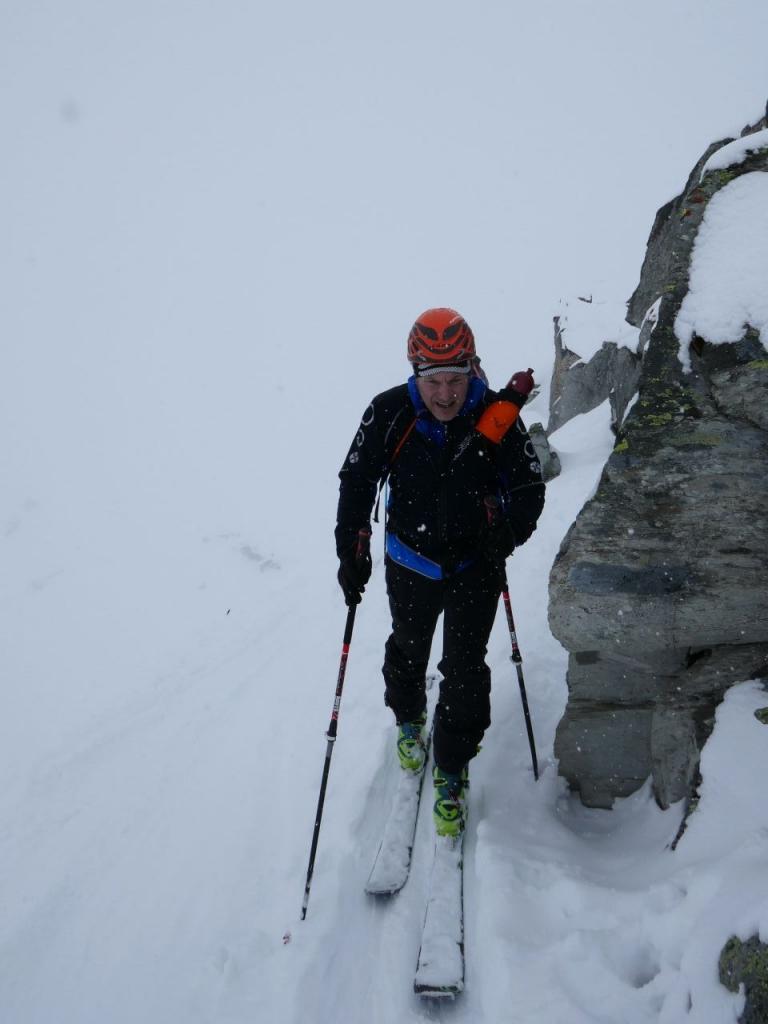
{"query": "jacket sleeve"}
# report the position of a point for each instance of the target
(522, 492)
(359, 476)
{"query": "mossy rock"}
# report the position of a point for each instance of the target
(694, 440)
(657, 419)
(660, 405)
(762, 716)
(746, 963)
(724, 177)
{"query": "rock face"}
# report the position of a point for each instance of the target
(578, 387)
(659, 590)
(548, 457)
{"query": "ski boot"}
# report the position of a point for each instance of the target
(450, 808)
(411, 747)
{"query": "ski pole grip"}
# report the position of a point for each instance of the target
(491, 503)
(363, 544)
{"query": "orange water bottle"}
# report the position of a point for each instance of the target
(501, 414)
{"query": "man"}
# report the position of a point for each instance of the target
(439, 443)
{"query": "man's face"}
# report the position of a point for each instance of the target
(443, 393)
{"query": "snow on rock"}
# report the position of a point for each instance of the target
(736, 152)
(595, 357)
(647, 326)
(588, 321)
(729, 267)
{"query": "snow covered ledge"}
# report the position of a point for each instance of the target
(728, 284)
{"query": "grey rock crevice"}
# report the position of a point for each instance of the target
(578, 387)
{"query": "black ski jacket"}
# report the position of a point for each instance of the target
(436, 493)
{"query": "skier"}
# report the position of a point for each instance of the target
(429, 440)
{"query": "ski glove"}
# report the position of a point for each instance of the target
(498, 542)
(354, 573)
(522, 382)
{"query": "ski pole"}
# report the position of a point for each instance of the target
(492, 511)
(517, 659)
(363, 544)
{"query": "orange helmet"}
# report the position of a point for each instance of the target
(441, 336)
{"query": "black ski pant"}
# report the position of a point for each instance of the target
(468, 601)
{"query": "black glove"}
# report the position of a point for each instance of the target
(498, 542)
(354, 573)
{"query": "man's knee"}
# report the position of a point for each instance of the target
(465, 703)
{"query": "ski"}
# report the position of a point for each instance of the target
(440, 970)
(393, 859)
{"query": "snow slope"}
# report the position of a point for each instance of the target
(218, 222)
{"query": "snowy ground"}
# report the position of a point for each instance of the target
(153, 852)
(220, 221)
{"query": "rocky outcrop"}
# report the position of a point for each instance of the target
(658, 592)
(668, 252)
(746, 963)
(578, 387)
(547, 456)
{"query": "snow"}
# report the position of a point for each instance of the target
(393, 858)
(220, 223)
(735, 152)
(588, 321)
(440, 967)
(652, 314)
(729, 267)
(583, 445)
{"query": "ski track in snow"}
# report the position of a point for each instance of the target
(143, 848)
(157, 856)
